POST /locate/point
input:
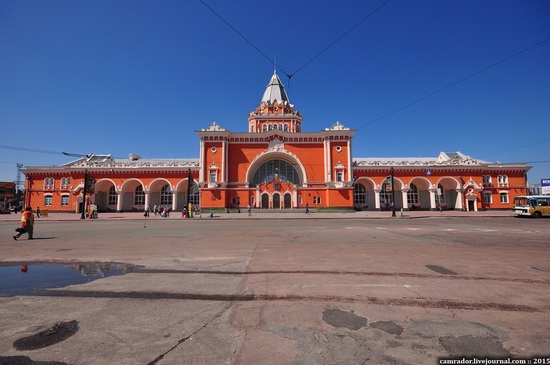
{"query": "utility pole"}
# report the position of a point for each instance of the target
(392, 193)
(18, 184)
(83, 210)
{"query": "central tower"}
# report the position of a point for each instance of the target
(275, 111)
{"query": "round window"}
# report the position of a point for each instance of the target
(338, 148)
(213, 149)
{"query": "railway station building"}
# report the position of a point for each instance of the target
(275, 164)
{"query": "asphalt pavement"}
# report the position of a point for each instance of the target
(279, 288)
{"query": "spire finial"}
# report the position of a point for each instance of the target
(274, 64)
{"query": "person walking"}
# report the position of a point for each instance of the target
(37, 212)
(249, 209)
(147, 210)
(27, 224)
(307, 208)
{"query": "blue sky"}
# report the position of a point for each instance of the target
(120, 77)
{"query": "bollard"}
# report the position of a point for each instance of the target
(401, 212)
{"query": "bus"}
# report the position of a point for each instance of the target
(532, 205)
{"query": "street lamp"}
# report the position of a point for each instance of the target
(83, 212)
(189, 205)
(392, 194)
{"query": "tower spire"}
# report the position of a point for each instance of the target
(275, 90)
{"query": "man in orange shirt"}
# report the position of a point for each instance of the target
(27, 224)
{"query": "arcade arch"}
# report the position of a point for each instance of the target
(363, 194)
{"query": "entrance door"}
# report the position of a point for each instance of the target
(471, 205)
(288, 201)
(276, 201)
(265, 201)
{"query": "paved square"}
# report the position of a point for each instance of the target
(346, 290)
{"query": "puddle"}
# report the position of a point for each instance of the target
(24, 279)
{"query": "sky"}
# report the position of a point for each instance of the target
(414, 78)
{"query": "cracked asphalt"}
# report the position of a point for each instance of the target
(286, 291)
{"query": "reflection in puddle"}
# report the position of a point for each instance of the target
(24, 278)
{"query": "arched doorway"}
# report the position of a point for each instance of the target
(288, 201)
(265, 201)
(363, 194)
(276, 201)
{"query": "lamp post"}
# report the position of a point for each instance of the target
(189, 205)
(83, 212)
(392, 193)
(462, 192)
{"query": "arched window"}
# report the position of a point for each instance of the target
(49, 183)
(166, 195)
(285, 127)
(264, 128)
(275, 168)
(194, 197)
(113, 196)
(65, 182)
(502, 180)
(412, 195)
(139, 196)
(359, 194)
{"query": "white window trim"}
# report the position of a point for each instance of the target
(65, 196)
(51, 200)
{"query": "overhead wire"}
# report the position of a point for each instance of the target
(289, 76)
(453, 84)
(516, 148)
(30, 149)
(240, 34)
(339, 38)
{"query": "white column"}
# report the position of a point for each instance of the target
(325, 163)
(201, 161)
(224, 161)
(350, 168)
(147, 196)
(119, 201)
(328, 177)
(377, 198)
(174, 200)
(404, 193)
(433, 203)
(460, 199)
